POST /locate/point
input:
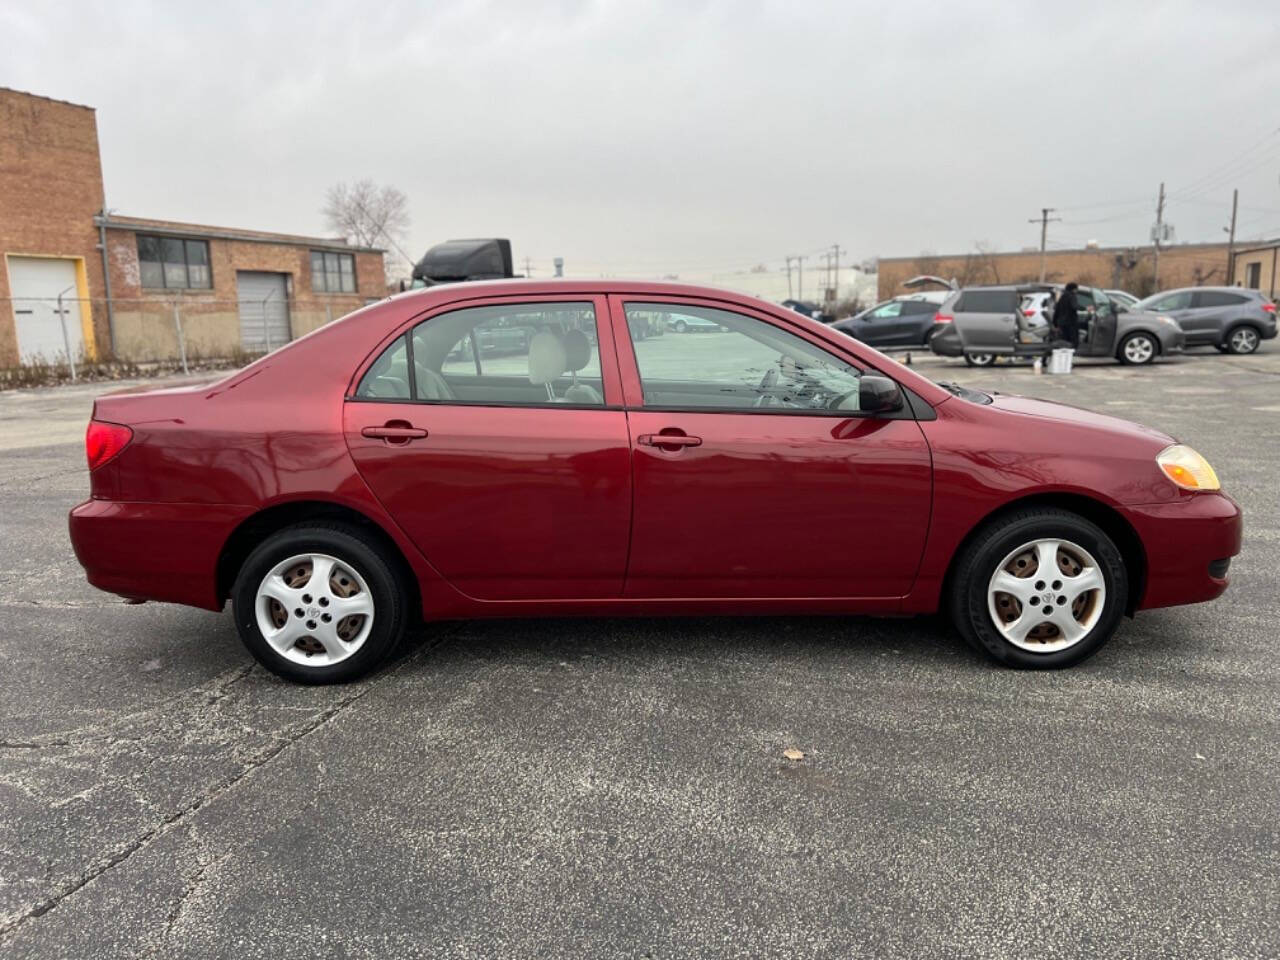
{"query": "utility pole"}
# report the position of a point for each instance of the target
(528, 267)
(1231, 242)
(800, 278)
(790, 294)
(835, 253)
(1044, 220)
(1155, 274)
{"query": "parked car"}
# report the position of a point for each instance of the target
(982, 323)
(905, 321)
(1038, 305)
(507, 336)
(979, 326)
(1233, 319)
(688, 323)
(352, 482)
(1122, 297)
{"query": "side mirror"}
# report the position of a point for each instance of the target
(877, 394)
(1120, 308)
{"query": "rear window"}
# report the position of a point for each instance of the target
(1214, 298)
(987, 301)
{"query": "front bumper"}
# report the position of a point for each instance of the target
(154, 551)
(1172, 341)
(1185, 541)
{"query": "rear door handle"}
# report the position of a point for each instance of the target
(668, 440)
(394, 432)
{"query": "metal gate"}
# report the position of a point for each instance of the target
(264, 310)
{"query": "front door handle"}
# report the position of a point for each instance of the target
(394, 431)
(668, 440)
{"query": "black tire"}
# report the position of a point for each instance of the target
(1122, 352)
(980, 558)
(680, 326)
(1242, 339)
(980, 359)
(352, 547)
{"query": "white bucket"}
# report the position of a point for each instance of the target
(1060, 360)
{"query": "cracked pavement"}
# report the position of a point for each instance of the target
(609, 787)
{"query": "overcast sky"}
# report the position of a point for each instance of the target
(675, 136)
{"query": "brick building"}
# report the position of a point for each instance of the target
(233, 290)
(1122, 268)
(1257, 266)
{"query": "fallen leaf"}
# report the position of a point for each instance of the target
(791, 753)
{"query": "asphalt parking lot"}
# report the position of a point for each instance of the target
(617, 788)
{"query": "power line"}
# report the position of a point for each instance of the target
(1194, 184)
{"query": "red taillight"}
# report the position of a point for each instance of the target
(1269, 307)
(943, 318)
(103, 440)
(1029, 313)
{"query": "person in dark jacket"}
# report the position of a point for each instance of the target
(1066, 319)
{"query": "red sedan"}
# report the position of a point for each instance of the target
(511, 449)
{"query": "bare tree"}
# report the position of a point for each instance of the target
(370, 216)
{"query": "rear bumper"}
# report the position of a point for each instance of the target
(946, 341)
(154, 551)
(1185, 540)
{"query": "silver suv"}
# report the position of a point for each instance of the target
(1233, 319)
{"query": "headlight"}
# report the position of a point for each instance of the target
(1187, 468)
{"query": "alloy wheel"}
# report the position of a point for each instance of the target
(1244, 340)
(1046, 595)
(314, 609)
(1139, 349)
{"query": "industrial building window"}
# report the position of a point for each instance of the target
(169, 263)
(333, 272)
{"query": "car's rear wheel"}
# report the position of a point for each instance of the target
(681, 326)
(319, 603)
(1243, 339)
(1039, 589)
(979, 359)
(1138, 349)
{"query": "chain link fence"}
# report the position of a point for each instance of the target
(70, 338)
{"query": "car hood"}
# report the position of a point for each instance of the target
(1078, 416)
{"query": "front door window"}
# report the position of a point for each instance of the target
(744, 364)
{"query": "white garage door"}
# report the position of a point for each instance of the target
(264, 310)
(36, 283)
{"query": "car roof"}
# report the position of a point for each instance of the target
(1244, 290)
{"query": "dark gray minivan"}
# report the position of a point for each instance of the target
(1233, 319)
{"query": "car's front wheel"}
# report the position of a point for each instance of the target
(681, 326)
(319, 603)
(1243, 339)
(979, 359)
(1138, 349)
(1039, 588)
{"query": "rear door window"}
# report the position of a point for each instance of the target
(988, 301)
(1218, 298)
(528, 354)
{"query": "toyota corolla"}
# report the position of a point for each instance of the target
(395, 467)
